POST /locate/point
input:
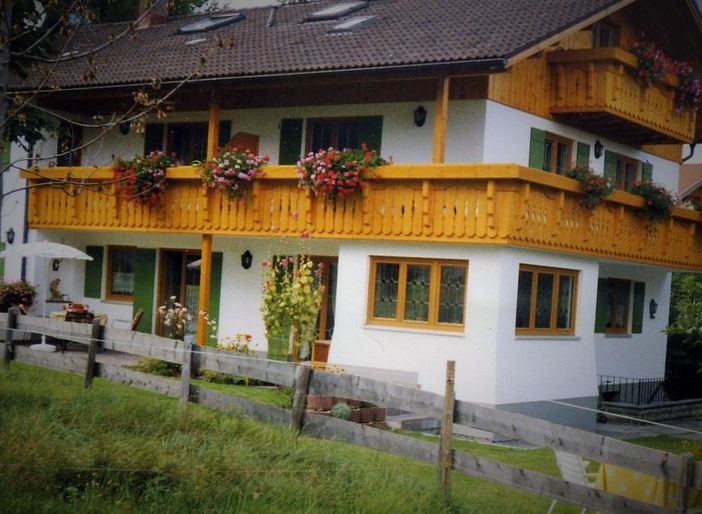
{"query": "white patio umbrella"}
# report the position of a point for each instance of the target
(46, 250)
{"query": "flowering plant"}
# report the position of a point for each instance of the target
(230, 169)
(240, 343)
(654, 65)
(334, 173)
(595, 187)
(292, 291)
(689, 94)
(143, 179)
(659, 202)
(174, 315)
(19, 293)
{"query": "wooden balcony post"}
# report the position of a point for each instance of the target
(212, 128)
(203, 303)
(440, 120)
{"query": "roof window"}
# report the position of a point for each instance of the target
(212, 22)
(351, 24)
(336, 11)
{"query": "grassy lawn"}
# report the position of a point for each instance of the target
(118, 449)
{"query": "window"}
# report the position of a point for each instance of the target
(70, 139)
(120, 273)
(546, 301)
(605, 35)
(420, 293)
(188, 141)
(620, 305)
(557, 151)
(343, 133)
(623, 171)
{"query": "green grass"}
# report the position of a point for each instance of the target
(271, 395)
(116, 449)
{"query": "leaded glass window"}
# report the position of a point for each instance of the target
(418, 292)
(545, 301)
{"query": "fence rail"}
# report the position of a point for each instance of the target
(305, 381)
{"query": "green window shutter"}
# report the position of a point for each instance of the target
(610, 165)
(144, 286)
(582, 155)
(370, 132)
(638, 314)
(215, 289)
(602, 306)
(646, 171)
(536, 149)
(92, 287)
(225, 133)
(2, 262)
(290, 141)
(153, 137)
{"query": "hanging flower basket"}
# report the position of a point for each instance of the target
(143, 179)
(595, 188)
(232, 169)
(335, 174)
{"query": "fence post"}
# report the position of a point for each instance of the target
(302, 383)
(445, 450)
(8, 354)
(687, 470)
(185, 374)
(95, 339)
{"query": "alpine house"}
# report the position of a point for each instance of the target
(471, 246)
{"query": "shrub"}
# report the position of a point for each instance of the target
(19, 293)
(341, 411)
(157, 367)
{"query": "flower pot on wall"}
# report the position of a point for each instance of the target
(320, 353)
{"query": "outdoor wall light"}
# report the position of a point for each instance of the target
(652, 308)
(246, 259)
(10, 236)
(599, 147)
(420, 116)
(55, 264)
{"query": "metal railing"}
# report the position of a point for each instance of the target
(637, 391)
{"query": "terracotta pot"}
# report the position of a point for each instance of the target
(379, 414)
(355, 416)
(320, 352)
(367, 414)
(319, 402)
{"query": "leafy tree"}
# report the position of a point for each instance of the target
(684, 355)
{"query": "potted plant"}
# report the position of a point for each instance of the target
(18, 294)
(143, 179)
(231, 170)
(659, 202)
(595, 188)
(335, 174)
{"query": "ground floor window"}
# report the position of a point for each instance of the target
(120, 273)
(426, 293)
(620, 306)
(546, 301)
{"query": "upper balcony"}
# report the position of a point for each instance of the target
(501, 204)
(596, 90)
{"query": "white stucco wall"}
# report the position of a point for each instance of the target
(402, 140)
(507, 139)
(637, 355)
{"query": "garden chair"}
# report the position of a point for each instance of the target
(573, 469)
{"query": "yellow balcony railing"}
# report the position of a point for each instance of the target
(598, 90)
(450, 203)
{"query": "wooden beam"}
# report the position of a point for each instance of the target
(440, 120)
(445, 443)
(203, 304)
(212, 128)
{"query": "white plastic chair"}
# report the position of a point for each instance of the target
(574, 470)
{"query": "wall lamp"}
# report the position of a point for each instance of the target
(55, 264)
(652, 308)
(10, 236)
(599, 148)
(246, 259)
(123, 128)
(420, 116)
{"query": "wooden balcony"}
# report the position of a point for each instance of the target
(501, 204)
(596, 90)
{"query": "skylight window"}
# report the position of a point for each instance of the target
(351, 24)
(336, 11)
(212, 22)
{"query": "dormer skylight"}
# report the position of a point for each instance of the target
(351, 24)
(336, 11)
(214, 21)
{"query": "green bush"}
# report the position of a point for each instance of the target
(341, 411)
(157, 367)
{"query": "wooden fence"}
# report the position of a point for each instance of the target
(681, 469)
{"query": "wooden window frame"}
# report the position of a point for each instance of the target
(326, 261)
(108, 276)
(555, 140)
(620, 163)
(190, 125)
(434, 291)
(627, 286)
(614, 32)
(335, 130)
(531, 330)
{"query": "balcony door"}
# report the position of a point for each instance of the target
(180, 278)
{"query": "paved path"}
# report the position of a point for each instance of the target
(690, 428)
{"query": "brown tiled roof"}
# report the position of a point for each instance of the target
(690, 179)
(403, 33)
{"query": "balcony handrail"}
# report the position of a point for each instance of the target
(430, 172)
